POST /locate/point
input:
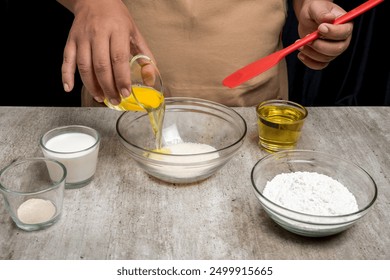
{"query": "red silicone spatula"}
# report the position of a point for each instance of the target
(255, 68)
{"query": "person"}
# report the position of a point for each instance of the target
(195, 44)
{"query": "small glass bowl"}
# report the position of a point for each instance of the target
(353, 177)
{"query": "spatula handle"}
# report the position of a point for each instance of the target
(357, 11)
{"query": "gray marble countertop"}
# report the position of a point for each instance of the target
(126, 214)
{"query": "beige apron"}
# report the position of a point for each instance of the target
(197, 43)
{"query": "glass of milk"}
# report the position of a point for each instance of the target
(33, 197)
(76, 147)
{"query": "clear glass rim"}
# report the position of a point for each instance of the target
(283, 102)
(32, 159)
(305, 215)
(65, 127)
(172, 100)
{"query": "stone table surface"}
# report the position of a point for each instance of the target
(126, 214)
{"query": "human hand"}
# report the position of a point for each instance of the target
(101, 41)
(333, 39)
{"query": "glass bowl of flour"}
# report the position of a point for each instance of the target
(312, 193)
(198, 137)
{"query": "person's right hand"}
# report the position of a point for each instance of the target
(100, 43)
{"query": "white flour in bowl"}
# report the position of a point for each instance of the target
(188, 149)
(184, 161)
(310, 193)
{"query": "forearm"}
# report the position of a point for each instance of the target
(298, 4)
(69, 4)
(73, 5)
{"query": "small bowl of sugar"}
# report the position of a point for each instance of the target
(194, 139)
(312, 193)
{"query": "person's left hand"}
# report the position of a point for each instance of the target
(334, 39)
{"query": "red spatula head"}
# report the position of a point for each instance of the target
(252, 70)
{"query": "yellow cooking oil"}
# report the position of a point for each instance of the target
(162, 151)
(147, 99)
(158, 153)
(279, 126)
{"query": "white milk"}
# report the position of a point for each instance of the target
(77, 152)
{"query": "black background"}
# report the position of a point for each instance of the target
(36, 32)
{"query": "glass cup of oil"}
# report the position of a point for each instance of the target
(147, 93)
(280, 124)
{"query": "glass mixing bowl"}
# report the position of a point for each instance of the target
(198, 138)
(350, 175)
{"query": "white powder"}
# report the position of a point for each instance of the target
(310, 193)
(186, 148)
(36, 211)
(187, 161)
